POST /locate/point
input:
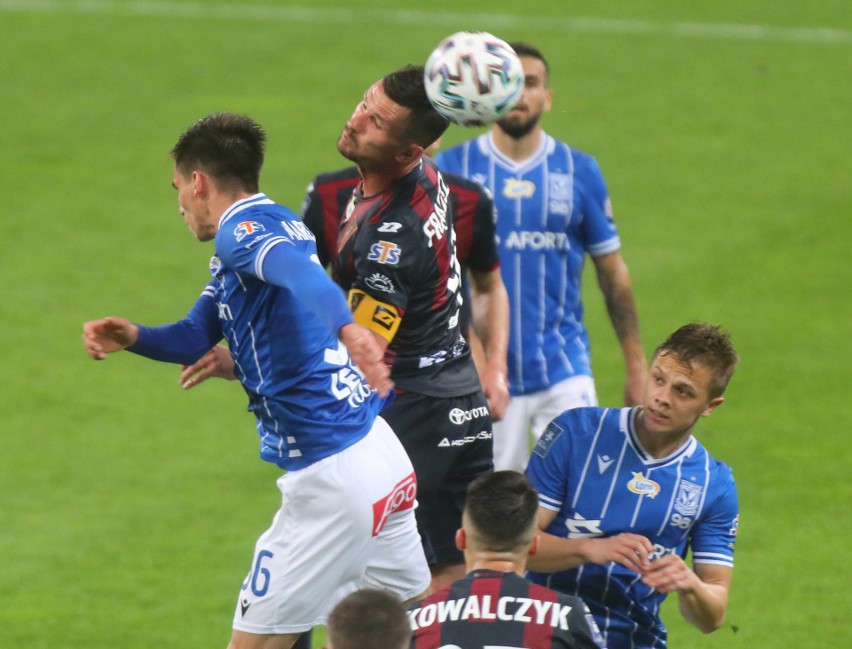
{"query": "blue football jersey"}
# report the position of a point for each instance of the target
(590, 468)
(552, 209)
(308, 399)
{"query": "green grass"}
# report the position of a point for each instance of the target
(128, 508)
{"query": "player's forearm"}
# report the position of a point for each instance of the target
(704, 606)
(491, 321)
(555, 554)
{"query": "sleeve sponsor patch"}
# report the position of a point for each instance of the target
(379, 317)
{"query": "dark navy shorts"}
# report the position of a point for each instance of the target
(449, 441)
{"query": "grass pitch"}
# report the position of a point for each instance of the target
(128, 508)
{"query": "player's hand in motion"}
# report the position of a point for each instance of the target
(630, 550)
(368, 355)
(670, 573)
(108, 335)
(496, 390)
(217, 363)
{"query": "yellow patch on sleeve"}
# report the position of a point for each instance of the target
(379, 317)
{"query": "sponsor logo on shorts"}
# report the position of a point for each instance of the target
(403, 496)
(467, 439)
(459, 416)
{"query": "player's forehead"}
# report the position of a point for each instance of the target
(383, 107)
(678, 371)
(534, 69)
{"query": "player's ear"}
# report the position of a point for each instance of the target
(533, 546)
(714, 403)
(461, 539)
(200, 183)
(411, 154)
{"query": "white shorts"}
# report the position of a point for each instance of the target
(531, 413)
(346, 522)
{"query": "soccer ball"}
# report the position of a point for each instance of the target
(473, 78)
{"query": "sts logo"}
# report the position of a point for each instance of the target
(384, 252)
(246, 228)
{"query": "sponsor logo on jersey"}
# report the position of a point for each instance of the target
(459, 416)
(251, 244)
(244, 606)
(384, 252)
(688, 497)
(604, 462)
(643, 486)
(434, 359)
(550, 434)
(480, 608)
(581, 528)
(467, 439)
(534, 240)
(515, 188)
(403, 496)
(390, 226)
(245, 228)
(379, 282)
(735, 525)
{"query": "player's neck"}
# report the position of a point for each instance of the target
(517, 149)
(497, 565)
(660, 445)
(375, 181)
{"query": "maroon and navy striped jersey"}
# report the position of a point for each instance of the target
(398, 247)
(473, 216)
(488, 608)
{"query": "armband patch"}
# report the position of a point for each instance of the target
(379, 317)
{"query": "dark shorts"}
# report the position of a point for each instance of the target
(449, 441)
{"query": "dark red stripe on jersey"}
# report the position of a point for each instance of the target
(540, 635)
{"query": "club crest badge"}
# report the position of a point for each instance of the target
(688, 498)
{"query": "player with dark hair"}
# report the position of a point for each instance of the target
(625, 493)
(368, 619)
(476, 249)
(553, 208)
(346, 518)
(395, 256)
(493, 605)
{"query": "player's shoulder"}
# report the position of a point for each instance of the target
(248, 222)
(459, 183)
(335, 180)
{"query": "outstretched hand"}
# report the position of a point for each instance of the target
(108, 335)
(217, 363)
(368, 355)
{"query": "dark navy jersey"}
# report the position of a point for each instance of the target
(474, 221)
(498, 609)
(474, 218)
(398, 248)
(590, 468)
